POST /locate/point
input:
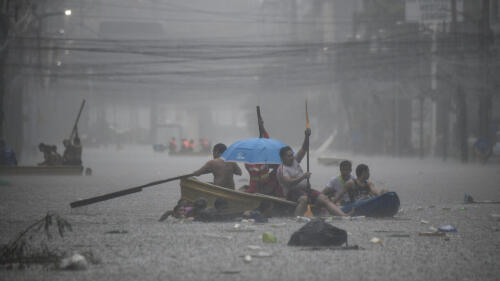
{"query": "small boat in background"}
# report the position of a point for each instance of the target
(238, 201)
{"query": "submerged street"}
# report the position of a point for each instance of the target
(128, 243)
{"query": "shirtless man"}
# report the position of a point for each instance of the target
(222, 171)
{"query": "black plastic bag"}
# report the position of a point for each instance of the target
(318, 233)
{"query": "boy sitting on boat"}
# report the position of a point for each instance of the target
(223, 171)
(359, 188)
(294, 182)
(337, 183)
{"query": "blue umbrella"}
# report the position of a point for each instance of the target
(255, 151)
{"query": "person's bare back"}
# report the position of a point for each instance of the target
(223, 171)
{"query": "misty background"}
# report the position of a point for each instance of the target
(383, 77)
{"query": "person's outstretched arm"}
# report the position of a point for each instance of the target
(205, 169)
(302, 151)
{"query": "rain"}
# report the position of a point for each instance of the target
(130, 97)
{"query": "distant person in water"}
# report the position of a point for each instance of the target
(72, 154)
(50, 155)
(172, 145)
(223, 171)
(7, 155)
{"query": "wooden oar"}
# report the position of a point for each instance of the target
(260, 122)
(120, 193)
(307, 151)
(76, 121)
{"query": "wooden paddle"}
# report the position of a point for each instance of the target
(76, 121)
(307, 151)
(123, 192)
(260, 122)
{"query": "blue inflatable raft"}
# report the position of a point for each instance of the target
(384, 205)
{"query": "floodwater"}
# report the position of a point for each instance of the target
(144, 249)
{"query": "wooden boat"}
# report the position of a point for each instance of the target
(329, 160)
(41, 170)
(193, 189)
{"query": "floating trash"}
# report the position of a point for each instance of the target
(447, 228)
(268, 237)
(424, 222)
(262, 254)
(398, 235)
(254, 247)
(247, 258)
(116, 232)
(75, 262)
(437, 233)
(376, 240)
(303, 219)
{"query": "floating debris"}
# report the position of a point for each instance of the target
(75, 262)
(424, 222)
(268, 237)
(447, 228)
(399, 235)
(437, 233)
(376, 240)
(116, 232)
(247, 258)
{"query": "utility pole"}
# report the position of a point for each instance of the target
(485, 98)
(460, 96)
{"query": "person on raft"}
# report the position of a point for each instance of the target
(223, 171)
(337, 183)
(294, 183)
(359, 188)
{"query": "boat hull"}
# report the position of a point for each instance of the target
(193, 189)
(41, 170)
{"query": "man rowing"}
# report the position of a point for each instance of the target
(222, 171)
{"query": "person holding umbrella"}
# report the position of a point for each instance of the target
(262, 178)
(295, 184)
